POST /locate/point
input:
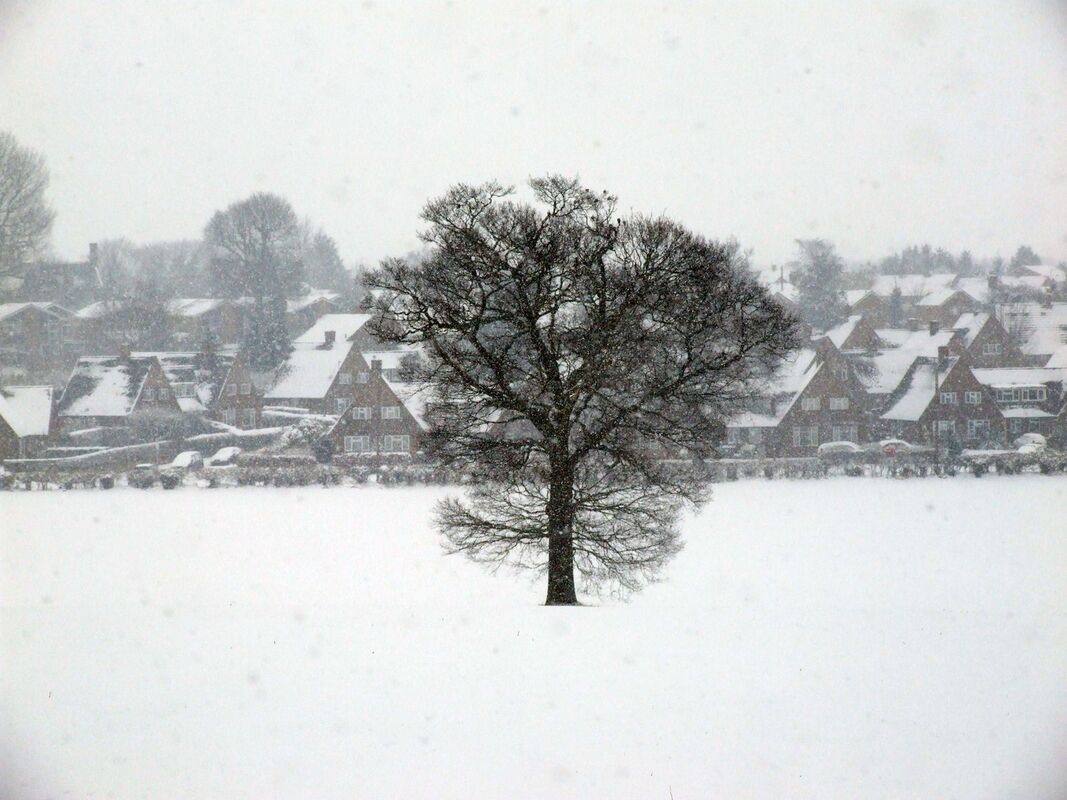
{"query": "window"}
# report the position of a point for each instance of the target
(183, 389)
(845, 433)
(805, 436)
(246, 388)
(1035, 394)
(755, 435)
(248, 417)
(945, 427)
(733, 435)
(229, 416)
(164, 393)
(340, 404)
(399, 443)
(357, 444)
(231, 390)
(949, 399)
(991, 349)
(390, 412)
(972, 398)
(839, 404)
(841, 371)
(978, 429)
(346, 378)
(1033, 425)
(361, 412)
(810, 403)
(362, 377)
(149, 393)
(1016, 426)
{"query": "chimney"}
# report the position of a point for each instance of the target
(913, 324)
(376, 366)
(935, 326)
(993, 281)
(124, 352)
(330, 338)
(942, 357)
(92, 253)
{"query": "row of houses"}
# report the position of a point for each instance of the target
(36, 334)
(969, 384)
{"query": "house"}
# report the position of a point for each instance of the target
(813, 398)
(110, 391)
(882, 372)
(873, 307)
(216, 386)
(1039, 328)
(194, 319)
(325, 366)
(856, 334)
(913, 287)
(395, 363)
(945, 306)
(68, 283)
(941, 403)
(36, 334)
(386, 418)
(985, 341)
(27, 420)
(1029, 398)
(96, 324)
(303, 312)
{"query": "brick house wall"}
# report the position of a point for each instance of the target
(341, 392)
(369, 429)
(973, 424)
(239, 402)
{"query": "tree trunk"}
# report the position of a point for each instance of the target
(560, 539)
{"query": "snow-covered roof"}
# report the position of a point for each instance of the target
(101, 308)
(310, 369)
(853, 296)
(391, 359)
(12, 309)
(1009, 377)
(891, 364)
(940, 296)
(1050, 271)
(969, 325)
(345, 326)
(312, 297)
(1043, 330)
(922, 386)
(415, 397)
(839, 334)
(27, 409)
(192, 306)
(206, 376)
(104, 386)
(1026, 413)
(912, 284)
(751, 419)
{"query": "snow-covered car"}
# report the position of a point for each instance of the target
(893, 447)
(1034, 440)
(839, 448)
(188, 460)
(223, 457)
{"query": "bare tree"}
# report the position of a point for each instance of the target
(25, 216)
(256, 252)
(571, 352)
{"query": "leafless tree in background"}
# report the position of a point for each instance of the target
(25, 216)
(570, 350)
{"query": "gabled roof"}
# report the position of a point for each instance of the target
(969, 325)
(853, 296)
(391, 359)
(912, 284)
(310, 369)
(841, 333)
(27, 409)
(1043, 330)
(414, 397)
(99, 309)
(206, 374)
(105, 386)
(941, 296)
(345, 326)
(193, 306)
(13, 309)
(1050, 271)
(309, 299)
(889, 366)
(918, 392)
(1009, 377)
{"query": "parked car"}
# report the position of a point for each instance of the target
(189, 460)
(894, 447)
(1033, 440)
(223, 457)
(838, 448)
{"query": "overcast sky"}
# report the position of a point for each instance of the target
(875, 128)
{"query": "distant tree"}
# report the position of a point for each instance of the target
(25, 216)
(965, 265)
(568, 349)
(256, 252)
(817, 275)
(896, 307)
(116, 265)
(1024, 257)
(178, 268)
(323, 267)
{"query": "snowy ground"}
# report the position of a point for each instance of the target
(835, 639)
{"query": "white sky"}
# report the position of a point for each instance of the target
(876, 128)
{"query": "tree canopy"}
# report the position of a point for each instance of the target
(25, 215)
(581, 364)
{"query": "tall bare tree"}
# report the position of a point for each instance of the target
(25, 216)
(570, 353)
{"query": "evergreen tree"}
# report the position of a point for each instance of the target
(817, 276)
(896, 308)
(1024, 257)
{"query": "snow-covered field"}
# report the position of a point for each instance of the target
(836, 639)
